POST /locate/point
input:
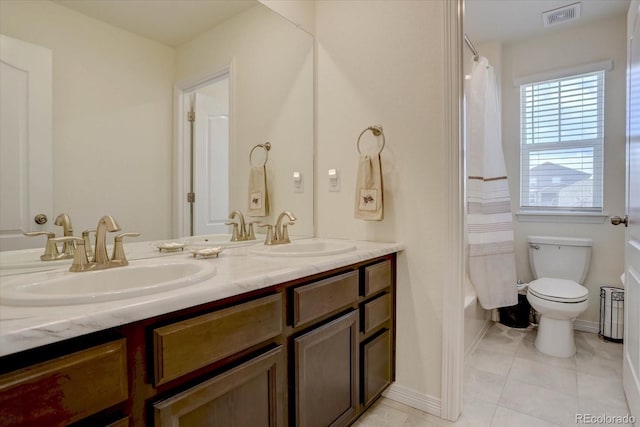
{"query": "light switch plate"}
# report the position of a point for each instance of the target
(334, 179)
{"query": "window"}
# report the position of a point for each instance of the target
(561, 140)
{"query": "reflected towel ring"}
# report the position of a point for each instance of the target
(266, 147)
(377, 131)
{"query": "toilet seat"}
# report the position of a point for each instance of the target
(558, 290)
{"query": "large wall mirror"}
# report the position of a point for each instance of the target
(121, 75)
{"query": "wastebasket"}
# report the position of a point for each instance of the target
(611, 313)
(516, 316)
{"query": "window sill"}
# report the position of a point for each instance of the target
(568, 217)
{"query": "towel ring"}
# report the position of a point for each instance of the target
(266, 147)
(377, 131)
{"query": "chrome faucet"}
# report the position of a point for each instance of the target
(279, 234)
(68, 246)
(241, 229)
(106, 223)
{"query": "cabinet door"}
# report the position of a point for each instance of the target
(251, 394)
(376, 367)
(327, 374)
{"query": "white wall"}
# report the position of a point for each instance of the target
(112, 109)
(380, 63)
(575, 46)
(301, 13)
(272, 100)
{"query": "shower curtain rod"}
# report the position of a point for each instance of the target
(476, 55)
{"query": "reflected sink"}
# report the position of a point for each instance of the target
(304, 248)
(28, 260)
(62, 287)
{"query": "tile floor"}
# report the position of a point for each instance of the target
(507, 382)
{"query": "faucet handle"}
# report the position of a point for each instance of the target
(87, 241)
(285, 232)
(69, 246)
(118, 255)
(250, 234)
(234, 233)
(269, 239)
(51, 248)
(80, 259)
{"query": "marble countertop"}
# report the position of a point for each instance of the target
(238, 271)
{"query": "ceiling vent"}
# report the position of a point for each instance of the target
(561, 15)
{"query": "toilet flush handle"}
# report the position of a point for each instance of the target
(536, 247)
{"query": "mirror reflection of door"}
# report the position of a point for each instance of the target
(210, 163)
(25, 142)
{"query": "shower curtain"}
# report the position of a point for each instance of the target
(492, 267)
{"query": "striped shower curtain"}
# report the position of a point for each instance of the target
(492, 266)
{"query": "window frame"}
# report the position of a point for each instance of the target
(528, 211)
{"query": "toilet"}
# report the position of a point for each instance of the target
(560, 265)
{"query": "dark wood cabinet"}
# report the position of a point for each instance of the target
(251, 394)
(315, 351)
(376, 366)
(326, 370)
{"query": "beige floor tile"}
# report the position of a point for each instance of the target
(539, 402)
(507, 382)
(482, 385)
(380, 415)
(490, 361)
(505, 417)
(607, 391)
(547, 376)
(502, 339)
(476, 413)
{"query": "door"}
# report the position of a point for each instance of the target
(326, 369)
(631, 349)
(211, 158)
(25, 141)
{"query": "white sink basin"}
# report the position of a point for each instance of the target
(304, 248)
(62, 287)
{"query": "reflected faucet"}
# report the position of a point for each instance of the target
(241, 230)
(106, 223)
(68, 246)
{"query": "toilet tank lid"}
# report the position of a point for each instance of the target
(556, 240)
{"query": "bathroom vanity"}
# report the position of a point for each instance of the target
(301, 341)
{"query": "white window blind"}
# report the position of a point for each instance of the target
(562, 122)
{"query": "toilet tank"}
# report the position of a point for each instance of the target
(559, 257)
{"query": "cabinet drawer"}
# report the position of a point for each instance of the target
(194, 343)
(376, 312)
(376, 366)
(317, 299)
(377, 277)
(67, 389)
(251, 394)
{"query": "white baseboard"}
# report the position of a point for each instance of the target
(478, 338)
(415, 399)
(586, 326)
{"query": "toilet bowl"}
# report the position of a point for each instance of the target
(559, 264)
(559, 302)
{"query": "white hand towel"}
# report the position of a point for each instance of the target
(258, 193)
(369, 204)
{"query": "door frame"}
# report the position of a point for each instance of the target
(453, 292)
(182, 90)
